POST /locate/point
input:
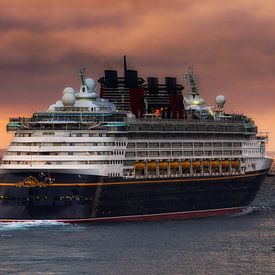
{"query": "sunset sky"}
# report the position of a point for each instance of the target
(231, 45)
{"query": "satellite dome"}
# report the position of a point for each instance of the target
(68, 99)
(51, 108)
(220, 100)
(68, 90)
(90, 84)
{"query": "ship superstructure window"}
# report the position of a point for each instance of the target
(153, 153)
(191, 128)
(176, 153)
(187, 153)
(217, 152)
(217, 144)
(207, 144)
(165, 153)
(153, 144)
(176, 145)
(198, 144)
(237, 144)
(129, 163)
(142, 154)
(141, 145)
(165, 145)
(130, 154)
(187, 144)
(220, 128)
(227, 144)
(131, 145)
(198, 153)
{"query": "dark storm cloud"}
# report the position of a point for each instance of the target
(44, 81)
(75, 22)
(59, 15)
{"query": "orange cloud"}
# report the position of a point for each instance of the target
(231, 44)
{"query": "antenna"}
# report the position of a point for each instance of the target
(82, 75)
(192, 82)
(125, 64)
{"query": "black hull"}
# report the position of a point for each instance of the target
(88, 198)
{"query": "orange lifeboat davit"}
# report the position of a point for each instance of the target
(215, 163)
(163, 165)
(151, 165)
(225, 163)
(196, 164)
(174, 164)
(186, 164)
(235, 163)
(139, 165)
(205, 163)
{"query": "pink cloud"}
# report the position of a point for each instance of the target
(231, 44)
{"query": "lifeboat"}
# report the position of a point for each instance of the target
(163, 165)
(139, 165)
(215, 163)
(196, 164)
(205, 163)
(186, 164)
(151, 165)
(235, 163)
(174, 164)
(225, 163)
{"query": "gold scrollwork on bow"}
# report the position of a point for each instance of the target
(31, 182)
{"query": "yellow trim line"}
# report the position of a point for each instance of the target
(142, 182)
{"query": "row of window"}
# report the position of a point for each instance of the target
(18, 134)
(110, 175)
(252, 151)
(253, 159)
(183, 144)
(183, 153)
(251, 143)
(68, 144)
(56, 162)
(83, 153)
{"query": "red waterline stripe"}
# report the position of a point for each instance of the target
(148, 217)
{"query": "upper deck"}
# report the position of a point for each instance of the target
(128, 104)
(231, 124)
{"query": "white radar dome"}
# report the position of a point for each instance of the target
(68, 90)
(220, 101)
(90, 84)
(68, 99)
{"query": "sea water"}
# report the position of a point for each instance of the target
(238, 244)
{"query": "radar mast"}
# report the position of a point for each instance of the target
(192, 81)
(82, 76)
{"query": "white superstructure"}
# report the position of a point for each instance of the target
(85, 134)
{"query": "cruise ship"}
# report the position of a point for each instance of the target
(132, 150)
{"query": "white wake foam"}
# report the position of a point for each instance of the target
(28, 224)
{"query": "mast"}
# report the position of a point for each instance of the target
(82, 76)
(125, 65)
(192, 82)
